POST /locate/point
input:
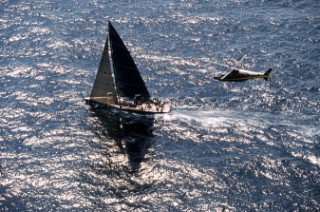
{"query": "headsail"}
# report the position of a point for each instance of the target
(103, 85)
(129, 82)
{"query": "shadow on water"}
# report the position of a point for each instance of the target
(131, 133)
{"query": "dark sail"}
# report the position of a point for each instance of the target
(103, 85)
(128, 80)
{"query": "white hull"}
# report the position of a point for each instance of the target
(149, 107)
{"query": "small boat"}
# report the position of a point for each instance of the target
(243, 75)
(122, 86)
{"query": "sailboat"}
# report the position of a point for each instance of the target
(122, 86)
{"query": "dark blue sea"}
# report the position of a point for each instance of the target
(225, 146)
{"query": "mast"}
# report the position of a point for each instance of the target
(113, 68)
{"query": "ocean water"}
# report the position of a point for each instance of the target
(225, 146)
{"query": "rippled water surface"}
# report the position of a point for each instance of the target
(249, 146)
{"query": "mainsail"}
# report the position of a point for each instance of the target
(129, 82)
(103, 85)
